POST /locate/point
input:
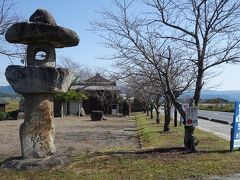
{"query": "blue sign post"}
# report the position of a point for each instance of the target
(235, 131)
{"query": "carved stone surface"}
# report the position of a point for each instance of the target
(37, 82)
(32, 79)
(56, 36)
(49, 60)
(37, 133)
(42, 16)
(53, 162)
(42, 28)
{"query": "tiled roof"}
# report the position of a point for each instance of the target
(98, 80)
(92, 88)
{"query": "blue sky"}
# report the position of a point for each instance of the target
(77, 15)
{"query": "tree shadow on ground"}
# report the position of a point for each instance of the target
(152, 151)
(214, 151)
(145, 151)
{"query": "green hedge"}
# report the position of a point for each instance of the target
(3, 115)
(216, 107)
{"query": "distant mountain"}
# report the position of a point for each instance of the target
(4, 95)
(8, 90)
(230, 95)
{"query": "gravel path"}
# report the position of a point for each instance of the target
(76, 135)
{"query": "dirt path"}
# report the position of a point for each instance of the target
(76, 135)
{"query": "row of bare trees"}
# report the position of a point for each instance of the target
(162, 47)
(165, 47)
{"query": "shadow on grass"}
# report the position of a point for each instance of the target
(214, 151)
(146, 151)
(158, 132)
(152, 151)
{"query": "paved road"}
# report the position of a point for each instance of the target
(215, 115)
(221, 130)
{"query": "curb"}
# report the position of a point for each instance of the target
(205, 118)
(219, 121)
(214, 120)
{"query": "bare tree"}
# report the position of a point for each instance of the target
(106, 97)
(142, 86)
(81, 72)
(206, 31)
(137, 44)
(8, 16)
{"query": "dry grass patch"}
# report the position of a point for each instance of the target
(167, 159)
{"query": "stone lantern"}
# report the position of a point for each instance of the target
(39, 79)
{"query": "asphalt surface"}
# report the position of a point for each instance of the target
(219, 129)
(222, 117)
(218, 123)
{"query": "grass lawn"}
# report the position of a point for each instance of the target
(228, 107)
(161, 158)
(12, 105)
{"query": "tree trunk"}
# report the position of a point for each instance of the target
(147, 111)
(167, 120)
(167, 111)
(68, 108)
(180, 109)
(151, 114)
(157, 105)
(130, 108)
(175, 117)
(189, 140)
(199, 85)
(158, 117)
(108, 108)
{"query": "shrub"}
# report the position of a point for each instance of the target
(3, 115)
